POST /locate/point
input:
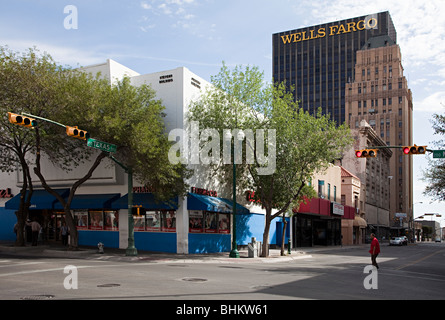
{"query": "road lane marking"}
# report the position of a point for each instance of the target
(20, 264)
(419, 260)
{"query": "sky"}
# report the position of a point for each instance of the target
(153, 35)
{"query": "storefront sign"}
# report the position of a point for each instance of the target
(204, 192)
(143, 190)
(337, 209)
(5, 193)
(367, 23)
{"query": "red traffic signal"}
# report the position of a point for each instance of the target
(414, 149)
(366, 153)
(21, 120)
(77, 133)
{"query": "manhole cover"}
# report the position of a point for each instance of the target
(38, 297)
(108, 285)
(194, 279)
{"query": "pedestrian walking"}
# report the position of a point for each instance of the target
(64, 233)
(375, 250)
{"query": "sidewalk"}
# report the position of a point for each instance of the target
(56, 250)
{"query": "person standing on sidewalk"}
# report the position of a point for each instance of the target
(375, 250)
(64, 232)
(35, 229)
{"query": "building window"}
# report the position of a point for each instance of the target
(329, 191)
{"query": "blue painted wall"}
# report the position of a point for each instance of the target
(155, 241)
(110, 239)
(7, 221)
(252, 225)
(209, 243)
(146, 241)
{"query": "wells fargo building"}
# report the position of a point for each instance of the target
(352, 70)
(318, 61)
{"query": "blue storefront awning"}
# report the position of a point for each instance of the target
(40, 200)
(214, 204)
(91, 201)
(147, 201)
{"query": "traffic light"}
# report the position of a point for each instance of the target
(76, 133)
(366, 153)
(414, 149)
(21, 120)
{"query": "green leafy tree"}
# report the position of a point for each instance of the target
(435, 174)
(303, 143)
(127, 116)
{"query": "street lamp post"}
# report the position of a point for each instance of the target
(234, 253)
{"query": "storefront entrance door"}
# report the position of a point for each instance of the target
(54, 222)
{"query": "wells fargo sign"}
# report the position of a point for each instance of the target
(367, 23)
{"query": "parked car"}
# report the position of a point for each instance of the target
(405, 239)
(397, 241)
(438, 239)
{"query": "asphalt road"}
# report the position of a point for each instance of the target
(409, 272)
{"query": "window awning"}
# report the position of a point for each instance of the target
(359, 222)
(214, 204)
(147, 201)
(91, 201)
(40, 199)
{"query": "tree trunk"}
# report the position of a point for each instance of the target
(74, 235)
(265, 250)
(283, 236)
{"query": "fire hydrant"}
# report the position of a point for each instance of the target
(100, 246)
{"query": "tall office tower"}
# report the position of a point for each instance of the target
(319, 60)
(380, 95)
(325, 65)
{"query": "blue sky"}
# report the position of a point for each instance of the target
(153, 35)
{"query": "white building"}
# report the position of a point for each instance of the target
(198, 223)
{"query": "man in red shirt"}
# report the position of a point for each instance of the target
(375, 250)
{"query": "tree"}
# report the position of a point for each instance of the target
(435, 174)
(26, 85)
(299, 144)
(121, 114)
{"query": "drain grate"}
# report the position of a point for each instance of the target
(108, 285)
(194, 279)
(38, 297)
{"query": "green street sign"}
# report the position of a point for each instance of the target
(104, 146)
(439, 154)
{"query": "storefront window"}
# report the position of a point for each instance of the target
(111, 220)
(195, 221)
(153, 221)
(81, 219)
(96, 220)
(223, 223)
(168, 221)
(209, 222)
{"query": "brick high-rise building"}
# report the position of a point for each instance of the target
(380, 95)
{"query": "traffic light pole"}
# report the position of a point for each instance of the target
(395, 147)
(131, 249)
(44, 119)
